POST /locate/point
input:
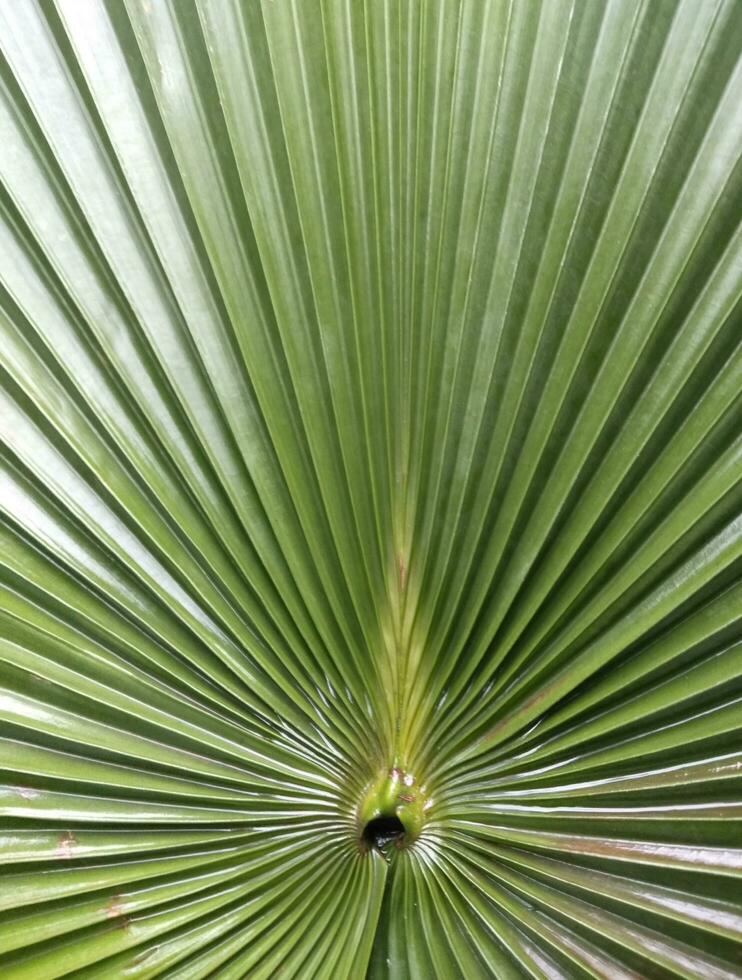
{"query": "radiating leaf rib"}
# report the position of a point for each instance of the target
(370, 488)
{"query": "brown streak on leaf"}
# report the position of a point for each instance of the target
(115, 910)
(65, 844)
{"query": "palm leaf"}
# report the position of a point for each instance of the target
(371, 555)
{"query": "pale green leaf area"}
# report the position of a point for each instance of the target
(371, 504)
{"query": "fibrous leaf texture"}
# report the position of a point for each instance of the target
(371, 509)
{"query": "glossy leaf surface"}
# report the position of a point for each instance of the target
(371, 508)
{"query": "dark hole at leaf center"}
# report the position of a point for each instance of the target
(382, 831)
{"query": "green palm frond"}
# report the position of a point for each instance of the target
(371, 509)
